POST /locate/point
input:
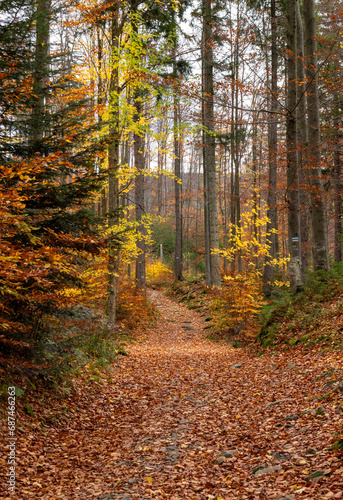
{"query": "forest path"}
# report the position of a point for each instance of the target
(157, 428)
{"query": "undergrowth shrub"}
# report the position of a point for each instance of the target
(158, 274)
(236, 305)
(133, 308)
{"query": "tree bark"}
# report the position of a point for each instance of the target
(209, 166)
(254, 186)
(160, 154)
(292, 196)
(139, 160)
(177, 185)
(113, 165)
(41, 72)
(317, 206)
(237, 155)
(272, 159)
(302, 131)
(338, 200)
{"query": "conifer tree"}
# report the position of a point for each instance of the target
(48, 173)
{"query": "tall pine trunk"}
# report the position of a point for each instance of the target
(317, 206)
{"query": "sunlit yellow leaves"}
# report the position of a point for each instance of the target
(158, 273)
(236, 304)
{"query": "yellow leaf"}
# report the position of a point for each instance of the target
(150, 480)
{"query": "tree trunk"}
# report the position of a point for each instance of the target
(338, 200)
(41, 72)
(160, 153)
(237, 142)
(205, 181)
(138, 139)
(113, 189)
(100, 102)
(177, 185)
(225, 188)
(317, 207)
(294, 237)
(209, 165)
(254, 186)
(302, 142)
(232, 164)
(272, 160)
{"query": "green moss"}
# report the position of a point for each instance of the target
(305, 314)
(293, 341)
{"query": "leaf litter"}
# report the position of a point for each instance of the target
(184, 418)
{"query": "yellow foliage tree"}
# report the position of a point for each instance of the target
(237, 305)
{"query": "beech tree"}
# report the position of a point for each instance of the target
(272, 223)
(117, 24)
(209, 165)
(294, 235)
(178, 261)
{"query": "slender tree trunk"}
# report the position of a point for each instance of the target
(237, 144)
(317, 206)
(254, 185)
(338, 200)
(225, 188)
(139, 193)
(210, 188)
(205, 182)
(177, 185)
(103, 202)
(232, 164)
(160, 168)
(41, 72)
(100, 102)
(272, 159)
(294, 237)
(302, 131)
(113, 164)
